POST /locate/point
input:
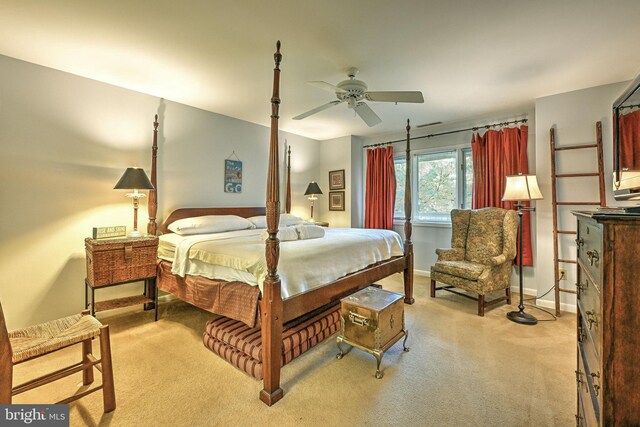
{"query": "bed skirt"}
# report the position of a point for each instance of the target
(241, 345)
(236, 300)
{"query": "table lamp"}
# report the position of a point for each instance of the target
(521, 188)
(134, 179)
(312, 191)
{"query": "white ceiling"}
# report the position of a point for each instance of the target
(470, 58)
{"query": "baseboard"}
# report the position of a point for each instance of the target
(529, 293)
(569, 308)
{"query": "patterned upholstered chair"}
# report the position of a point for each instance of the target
(480, 260)
(34, 341)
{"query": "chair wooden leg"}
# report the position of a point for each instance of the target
(433, 288)
(508, 292)
(481, 305)
(87, 373)
(108, 390)
(6, 381)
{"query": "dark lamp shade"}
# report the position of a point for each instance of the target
(312, 189)
(134, 179)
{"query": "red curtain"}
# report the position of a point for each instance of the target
(630, 141)
(381, 189)
(497, 154)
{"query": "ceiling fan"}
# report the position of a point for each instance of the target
(354, 92)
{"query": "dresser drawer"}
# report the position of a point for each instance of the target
(586, 403)
(590, 309)
(590, 248)
(591, 364)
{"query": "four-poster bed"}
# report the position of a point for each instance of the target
(269, 305)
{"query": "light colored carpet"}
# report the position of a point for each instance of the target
(462, 370)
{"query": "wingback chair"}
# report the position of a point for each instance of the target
(483, 247)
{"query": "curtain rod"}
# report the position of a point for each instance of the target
(475, 128)
(629, 106)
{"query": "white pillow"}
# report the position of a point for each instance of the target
(286, 220)
(209, 224)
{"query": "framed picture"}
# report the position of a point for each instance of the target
(336, 180)
(232, 176)
(336, 200)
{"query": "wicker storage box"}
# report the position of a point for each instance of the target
(111, 261)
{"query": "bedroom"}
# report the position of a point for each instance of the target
(66, 138)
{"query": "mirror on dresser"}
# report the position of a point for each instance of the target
(626, 143)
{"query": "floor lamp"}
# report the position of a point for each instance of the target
(521, 188)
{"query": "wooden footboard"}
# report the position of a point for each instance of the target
(315, 298)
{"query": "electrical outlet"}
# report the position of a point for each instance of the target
(563, 274)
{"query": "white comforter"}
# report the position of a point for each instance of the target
(303, 265)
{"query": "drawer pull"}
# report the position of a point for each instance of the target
(581, 334)
(596, 387)
(593, 257)
(391, 322)
(579, 377)
(582, 286)
(580, 242)
(591, 319)
(358, 320)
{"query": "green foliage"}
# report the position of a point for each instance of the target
(401, 176)
(436, 184)
(436, 180)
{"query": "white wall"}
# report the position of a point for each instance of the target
(66, 140)
(574, 116)
(357, 182)
(335, 154)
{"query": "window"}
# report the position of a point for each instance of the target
(400, 166)
(467, 170)
(442, 180)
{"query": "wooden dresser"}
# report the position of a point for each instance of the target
(608, 369)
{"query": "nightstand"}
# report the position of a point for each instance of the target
(113, 262)
(320, 223)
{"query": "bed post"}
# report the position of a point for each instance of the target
(271, 305)
(152, 206)
(287, 205)
(408, 244)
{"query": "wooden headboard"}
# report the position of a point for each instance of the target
(191, 212)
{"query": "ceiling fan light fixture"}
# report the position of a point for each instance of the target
(354, 91)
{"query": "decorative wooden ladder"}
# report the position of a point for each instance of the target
(556, 203)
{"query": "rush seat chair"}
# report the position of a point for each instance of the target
(35, 341)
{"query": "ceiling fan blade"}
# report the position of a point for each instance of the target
(317, 110)
(327, 86)
(415, 96)
(367, 114)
